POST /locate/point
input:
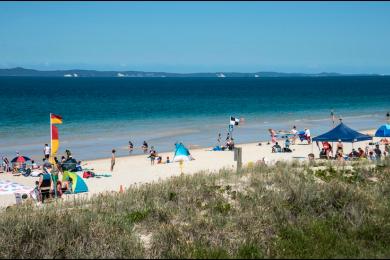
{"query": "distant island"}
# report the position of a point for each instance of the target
(22, 72)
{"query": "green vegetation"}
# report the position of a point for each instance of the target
(282, 211)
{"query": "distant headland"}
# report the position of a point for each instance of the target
(23, 72)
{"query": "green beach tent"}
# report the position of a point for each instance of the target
(78, 184)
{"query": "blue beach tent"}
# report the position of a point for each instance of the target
(181, 153)
(344, 133)
(383, 131)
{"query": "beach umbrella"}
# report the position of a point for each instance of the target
(20, 159)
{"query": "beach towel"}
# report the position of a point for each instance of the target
(217, 148)
(103, 175)
(9, 187)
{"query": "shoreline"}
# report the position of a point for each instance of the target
(97, 145)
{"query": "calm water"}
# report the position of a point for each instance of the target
(104, 113)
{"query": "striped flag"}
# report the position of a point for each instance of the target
(54, 140)
(55, 119)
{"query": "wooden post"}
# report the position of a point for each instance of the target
(238, 157)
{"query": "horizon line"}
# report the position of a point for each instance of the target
(110, 70)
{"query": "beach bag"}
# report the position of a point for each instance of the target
(88, 174)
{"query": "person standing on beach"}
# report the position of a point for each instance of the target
(153, 155)
(131, 146)
(307, 134)
(273, 135)
(46, 151)
(112, 160)
(340, 147)
(295, 133)
(219, 139)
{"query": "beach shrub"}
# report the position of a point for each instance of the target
(280, 211)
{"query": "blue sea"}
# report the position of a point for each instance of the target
(100, 114)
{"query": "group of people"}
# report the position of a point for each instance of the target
(153, 155)
(49, 183)
(144, 147)
(294, 135)
(369, 153)
(229, 142)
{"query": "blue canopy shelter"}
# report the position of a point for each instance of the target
(181, 153)
(383, 131)
(343, 133)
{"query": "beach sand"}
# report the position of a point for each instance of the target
(137, 169)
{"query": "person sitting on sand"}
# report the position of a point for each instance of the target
(287, 146)
(287, 143)
(378, 152)
(159, 160)
(276, 148)
(168, 161)
(371, 155)
(384, 141)
(68, 185)
(361, 152)
(328, 148)
(230, 144)
(78, 166)
(353, 154)
(323, 153)
(34, 165)
(340, 156)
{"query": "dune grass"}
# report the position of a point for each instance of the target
(284, 211)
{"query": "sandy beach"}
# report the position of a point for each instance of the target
(136, 169)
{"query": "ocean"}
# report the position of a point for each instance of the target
(100, 114)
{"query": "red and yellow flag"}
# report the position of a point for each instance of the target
(55, 119)
(54, 140)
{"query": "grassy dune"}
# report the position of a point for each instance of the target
(282, 211)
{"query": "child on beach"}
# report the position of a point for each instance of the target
(168, 161)
(159, 159)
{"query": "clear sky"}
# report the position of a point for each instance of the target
(347, 37)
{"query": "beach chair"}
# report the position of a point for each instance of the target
(45, 188)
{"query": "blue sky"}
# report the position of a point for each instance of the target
(347, 37)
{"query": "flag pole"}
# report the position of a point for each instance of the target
(51, 140)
